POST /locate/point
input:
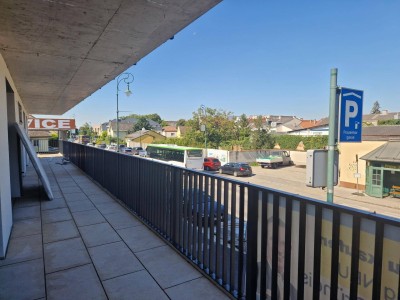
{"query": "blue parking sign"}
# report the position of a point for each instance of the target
(350, 127)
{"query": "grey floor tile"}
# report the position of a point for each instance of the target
(71, 197)
(160, 261)
(98, 234)
(26, 202)
(109, 208)
(122, 219)
(23, 249)
(198, 289)
(53, 232)
(88, 217)
(23, 280)
(76, 283)
(101, 198)
(138, 285)
(26, 227)
(70, 189)
(29, 212)
(140, 238)
(52, 204)
(56, 215)
(81, 205)
(65, 254)
(115, 259)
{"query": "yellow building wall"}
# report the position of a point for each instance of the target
(348, 164)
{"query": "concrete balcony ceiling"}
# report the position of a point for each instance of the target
(60, 52)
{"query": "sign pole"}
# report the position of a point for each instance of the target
(332, 140)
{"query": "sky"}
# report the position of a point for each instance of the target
(264, 57)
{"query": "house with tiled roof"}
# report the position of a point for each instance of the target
(373, 119)
(181, 130)
(169, 131)
(142, 138)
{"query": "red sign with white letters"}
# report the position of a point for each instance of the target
(51, 124)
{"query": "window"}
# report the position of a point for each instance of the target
(20, 113)
(376, 177)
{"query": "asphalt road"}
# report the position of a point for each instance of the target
(292, 179)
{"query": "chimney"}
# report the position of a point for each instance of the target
(384, 112)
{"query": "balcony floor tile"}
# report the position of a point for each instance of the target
(76, 283)
(65, 254)
(134, 286)
(160, 261)
(98, 234)
(53, 232)
(23, 280)
(115, 259)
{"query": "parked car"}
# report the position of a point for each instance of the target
(136, 150)
(236, 169)
(211, 164)
(203, 199)
(128, 150)
(101, 146)
(111, 148)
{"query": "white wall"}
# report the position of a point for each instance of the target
(5, 186)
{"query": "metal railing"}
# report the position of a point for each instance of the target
(256, 242)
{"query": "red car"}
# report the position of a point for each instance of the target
(211, 164)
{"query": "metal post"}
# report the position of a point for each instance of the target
(333, 103)
(117, 121)
(127, 78)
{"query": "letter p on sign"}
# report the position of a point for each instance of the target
(350, 115)
(351, 112)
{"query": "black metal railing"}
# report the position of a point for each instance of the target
(254, 241)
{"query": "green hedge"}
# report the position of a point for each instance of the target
(290, 142)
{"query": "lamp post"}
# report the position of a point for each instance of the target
(203, 126)
(127, 78)
(141, 133)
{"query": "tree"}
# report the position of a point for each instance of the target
(181, 122)
(261, 138)
(141, 123)
(376, 108)
(86, 129)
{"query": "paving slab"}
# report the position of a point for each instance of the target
(120, 220)
(109, 208)
(115, 259)
(70, 189)
(81, 205)
(30, 212)
(88, 217)
(23, 280)
(101, 198)
(140, 238)
(26, 227)
(56, 215)
(26, 202)
(58, 231)
(76, 283)
(52, 204)
(65, 254)
(160, 261)
(23, 249)
(134, 286)
(98, 234)
(198, 289)
(79, 196)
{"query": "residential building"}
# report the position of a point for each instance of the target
(142, 138)
(169, 131)
(181, 130)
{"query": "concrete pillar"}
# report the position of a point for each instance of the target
(5, 185)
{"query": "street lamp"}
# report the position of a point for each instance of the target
(127, 78)
(141, 133)
(203, 126)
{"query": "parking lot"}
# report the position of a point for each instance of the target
(292, 179)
